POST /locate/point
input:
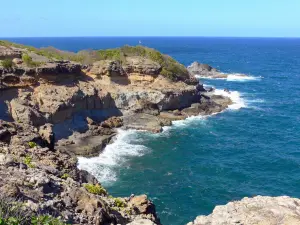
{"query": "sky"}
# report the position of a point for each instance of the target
(224, 18)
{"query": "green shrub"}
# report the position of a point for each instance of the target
(32, 144)
(65, 176)
(28, 161)
(46, 220)
(120, 203)
(113, 54)
(7, 63)
(95, 189)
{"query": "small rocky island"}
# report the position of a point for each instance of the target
(57, 105)
(206, 71)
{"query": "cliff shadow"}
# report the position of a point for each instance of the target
(6, 95)
(78, 121)
(121, 80)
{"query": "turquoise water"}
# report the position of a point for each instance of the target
(202, 162)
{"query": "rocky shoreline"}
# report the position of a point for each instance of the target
(257, 210)
(55, 106)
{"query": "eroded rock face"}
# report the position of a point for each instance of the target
(133, 65)
(258, 210)
(141, 66)
(53, 71)
(107, 67)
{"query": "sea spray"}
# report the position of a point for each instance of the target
(124, 147)
(235, 96)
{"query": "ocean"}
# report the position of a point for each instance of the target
(253, 148)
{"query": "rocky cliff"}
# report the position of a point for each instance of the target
(56, 105)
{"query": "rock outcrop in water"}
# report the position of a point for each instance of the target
(205, 70)
(258, 210)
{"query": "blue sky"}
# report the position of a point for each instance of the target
(258, 18)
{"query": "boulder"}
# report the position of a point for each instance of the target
(251, 211)
(112, 122)
(142, 205)
(47, 135)
(197, 68)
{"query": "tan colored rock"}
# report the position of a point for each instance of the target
(259, 210)
(17, 61)
(25, 114)
(141, 204)
(112, 122)
(141, 66)
(108, 68)
(47, 134)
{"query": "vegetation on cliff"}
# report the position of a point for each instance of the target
(14, 213)
(7, 63)
(170, 67)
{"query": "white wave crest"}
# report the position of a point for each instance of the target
(241, 78)
(234, 77)
(235, 96)
(114, 155)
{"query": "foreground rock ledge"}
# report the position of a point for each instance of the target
(260, 210)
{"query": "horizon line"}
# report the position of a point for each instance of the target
(279, 37)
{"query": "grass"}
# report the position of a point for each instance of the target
(96, 189)
(170, 67)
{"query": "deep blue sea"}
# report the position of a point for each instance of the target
(199, 163)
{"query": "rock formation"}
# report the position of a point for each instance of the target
(60, 109)
(258, 210)
(205, 70)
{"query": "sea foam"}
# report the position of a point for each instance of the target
(234, 77)
(114, 155)
(235, 96)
